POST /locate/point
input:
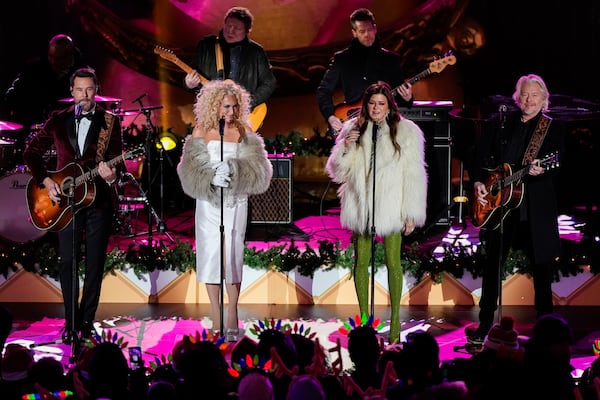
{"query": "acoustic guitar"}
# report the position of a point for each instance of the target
(345, 111)
(74, 181)
(505, 189)
(257, 116)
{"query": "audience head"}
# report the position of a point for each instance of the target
(305, 387)
(363, 346)
(49, 373)
(108, 371)
(162, 390)
(551, 339)
(202, 366)
(502, 336)
(283, 344)
(255, 386)
(420, 360)
(17, 362)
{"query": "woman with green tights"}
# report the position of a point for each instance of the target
(380, 139)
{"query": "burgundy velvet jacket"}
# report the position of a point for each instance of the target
(59, 130)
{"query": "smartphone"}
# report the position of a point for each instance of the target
(135, 357)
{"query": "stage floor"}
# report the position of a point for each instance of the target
(157, 327)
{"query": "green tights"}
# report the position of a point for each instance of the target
(391, 245)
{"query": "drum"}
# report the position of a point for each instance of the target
(15, 222)
(7, 154)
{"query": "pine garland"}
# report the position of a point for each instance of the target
(180, 257)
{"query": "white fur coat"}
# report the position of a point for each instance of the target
(400, 185)
(251, 170)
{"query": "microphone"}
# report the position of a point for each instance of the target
(222, 126)
(375, 127)
(78, 112)
(139, 99)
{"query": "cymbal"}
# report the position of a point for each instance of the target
(98, 98)
(126, 113)
(9, 126)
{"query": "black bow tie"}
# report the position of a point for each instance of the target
(88, 116)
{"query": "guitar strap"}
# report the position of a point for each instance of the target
(537, 139)
(104, 136)
(219, 60)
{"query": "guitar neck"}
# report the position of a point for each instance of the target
(515, 177)
(91, 174)
(418, 77)
(177, 61)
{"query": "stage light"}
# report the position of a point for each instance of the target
(167, 140)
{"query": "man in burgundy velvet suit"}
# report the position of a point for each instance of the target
(86, 134)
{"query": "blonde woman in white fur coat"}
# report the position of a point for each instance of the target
(245, 170)
(400, 188)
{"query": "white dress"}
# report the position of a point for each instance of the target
(208, 222)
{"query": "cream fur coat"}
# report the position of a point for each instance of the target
(400, 184)
(251, 170)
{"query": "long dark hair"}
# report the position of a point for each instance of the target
(393, 116)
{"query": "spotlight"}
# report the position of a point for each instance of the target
(167, 140)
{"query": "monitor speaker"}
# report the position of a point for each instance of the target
(275, 205)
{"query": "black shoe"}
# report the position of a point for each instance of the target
(87, 330)
(67, 335)
(476, 334)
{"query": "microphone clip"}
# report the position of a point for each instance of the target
(222, 126)
(502, 110)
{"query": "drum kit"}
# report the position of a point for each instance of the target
(15, 221)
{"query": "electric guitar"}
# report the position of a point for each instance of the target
(505, 189)
(75, 182)
(257, 116)
(345, 111)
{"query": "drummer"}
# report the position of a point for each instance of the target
(37, 88)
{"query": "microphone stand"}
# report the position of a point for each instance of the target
(151, 213)
(373, 230)
(69, 191)
(222, 241)
(502, 110)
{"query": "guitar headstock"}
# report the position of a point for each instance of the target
(439, 64)
(137, 151)
(550, 161)
(167, 54)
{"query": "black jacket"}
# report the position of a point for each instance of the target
(255, 75)
(354, 69)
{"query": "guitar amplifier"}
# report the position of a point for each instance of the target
(275, 205)
(433, 118)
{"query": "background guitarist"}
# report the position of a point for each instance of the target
(532, 226)
(356, 67)
(244, 60)
(77, 133)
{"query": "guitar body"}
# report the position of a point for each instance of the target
(345, 111)
(48, 215)
(510, 197)
(257, 116)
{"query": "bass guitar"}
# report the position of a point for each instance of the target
(505, 189)
(74, 181)
(345, 111)
(258, 114)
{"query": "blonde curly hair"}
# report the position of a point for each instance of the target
(209, 99)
